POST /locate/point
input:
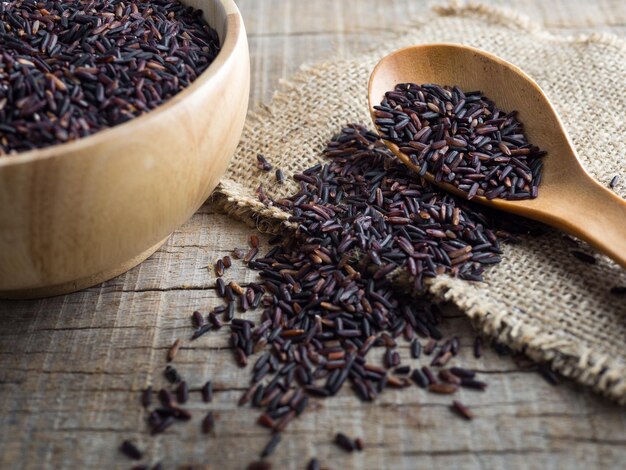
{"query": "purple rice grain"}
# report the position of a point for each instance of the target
(429, 375)
(266, 420)
(173, 350)
(182, 392)
(584, 257)
(219, 268)
(270, 447)
(447, 376)
(220, 286)
(416, 349)
(166, 398)
(442, 388)
(215, 322)
(208, 423)
(441, 359)
(175, 412)
(462, 410)
(573, 242)
(614, 181)
(259, 465)
(473, 384)
(618, 290)
(280, 177)
(202, 330)
(182, 414)
(207, 392)
(344, 442)
(549, 376)
(478, 347)
(402, 370)
(455, 345)
(131, 450)
(430, 347)
(284, 422)
(314, 464)
(463, 373)
(241, 357)
(359, 444)
(171, 374)
(162, 425)
(262, 163)
(251, 254)
(198, 319)
(419, 378)
(237, 289)
(229, 313)
(146, 397)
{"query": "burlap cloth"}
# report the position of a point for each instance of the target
(540, 298)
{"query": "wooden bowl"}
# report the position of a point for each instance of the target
(76, 214)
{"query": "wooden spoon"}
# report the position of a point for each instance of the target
(569, 198)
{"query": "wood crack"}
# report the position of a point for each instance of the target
(523, 451)
(156, 289)
(322, 33)
(590, 440)
(77, 372)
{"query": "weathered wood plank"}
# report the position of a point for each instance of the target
(540, 418)
(71, 367)
(283, 35)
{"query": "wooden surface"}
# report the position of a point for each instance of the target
(82, 212)
(71, 367)
(569, 195)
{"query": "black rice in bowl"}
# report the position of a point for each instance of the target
(71, 68)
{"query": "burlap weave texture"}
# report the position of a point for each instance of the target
(539, 298)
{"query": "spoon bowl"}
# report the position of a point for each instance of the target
(569, 198)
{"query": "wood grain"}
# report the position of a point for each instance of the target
(71, 367)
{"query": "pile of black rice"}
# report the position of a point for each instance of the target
(329, 293)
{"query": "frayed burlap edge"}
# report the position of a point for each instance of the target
(603, 374)
(267, 219)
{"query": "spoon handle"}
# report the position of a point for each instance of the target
(596, 215)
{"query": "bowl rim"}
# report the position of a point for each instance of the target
(234, 27)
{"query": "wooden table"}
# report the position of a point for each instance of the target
(72, 367)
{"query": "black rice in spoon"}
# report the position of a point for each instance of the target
(461, 138)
